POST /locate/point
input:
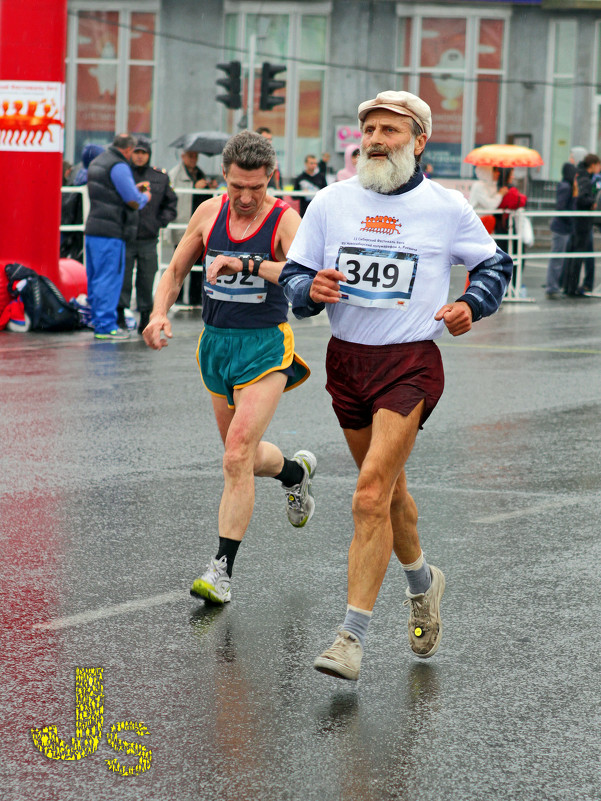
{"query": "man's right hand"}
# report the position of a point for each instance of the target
(144, 188)
(152, 332)
(326, 286)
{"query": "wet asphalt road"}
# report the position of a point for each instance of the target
(110, 477)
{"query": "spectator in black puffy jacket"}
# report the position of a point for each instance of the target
(142, 251)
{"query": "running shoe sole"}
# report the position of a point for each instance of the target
(200, 589)
(332, 668)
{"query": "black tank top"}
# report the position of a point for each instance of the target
(232, 314)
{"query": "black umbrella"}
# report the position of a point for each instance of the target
(209, 143)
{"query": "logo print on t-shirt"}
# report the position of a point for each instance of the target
(381, 225)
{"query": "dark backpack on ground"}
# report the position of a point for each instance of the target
(44, 305)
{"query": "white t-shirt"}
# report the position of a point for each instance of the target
(396, 251)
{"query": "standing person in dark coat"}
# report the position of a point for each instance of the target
(114, 201)
(311, 179)
(141, 252)
(188, 175)
(582, 240)
(561, 230)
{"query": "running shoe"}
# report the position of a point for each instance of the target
(118, 335)
(214, 584)
(300, 503)
(425, 624)
(343, 659)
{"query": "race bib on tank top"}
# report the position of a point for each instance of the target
(236, 288)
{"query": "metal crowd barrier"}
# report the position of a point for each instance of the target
(514, 237)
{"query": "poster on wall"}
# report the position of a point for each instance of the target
(443, 52)
(346, 135)
(96, 98)
(32, 116)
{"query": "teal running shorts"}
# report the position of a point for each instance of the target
(233, 358)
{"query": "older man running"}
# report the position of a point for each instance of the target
(377, 250)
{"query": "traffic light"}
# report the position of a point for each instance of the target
(231, 84)
(268, 85)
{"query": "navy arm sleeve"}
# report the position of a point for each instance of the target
(296, 281)
(488, 282)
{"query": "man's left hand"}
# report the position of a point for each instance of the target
(456, 316)
(223, 265)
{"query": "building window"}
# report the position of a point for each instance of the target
(561, 72)
(597, 92)
(456, 63)
(284, 32)
(111, 58)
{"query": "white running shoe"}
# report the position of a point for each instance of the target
(300, 503)
(425, 623)
(214, 584)
(343, 659)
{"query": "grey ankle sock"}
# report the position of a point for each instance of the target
(357, 621)
(418, 575)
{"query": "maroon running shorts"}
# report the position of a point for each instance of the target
(365, 378)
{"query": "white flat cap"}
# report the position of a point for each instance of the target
(401, 103)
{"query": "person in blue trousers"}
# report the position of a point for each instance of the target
(114, 203)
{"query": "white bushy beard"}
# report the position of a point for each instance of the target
(386, 176)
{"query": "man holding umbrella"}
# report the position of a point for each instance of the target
(185, 175)
(188, 175)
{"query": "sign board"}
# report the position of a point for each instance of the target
(32, 116)
(572, 5)
(347, 135)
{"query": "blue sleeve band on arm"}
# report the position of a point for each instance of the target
(296, 281)
(488, 283)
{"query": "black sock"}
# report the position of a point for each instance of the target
(229, 549)
(292, 473)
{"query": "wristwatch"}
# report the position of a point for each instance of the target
(251, 264)
(256, 262)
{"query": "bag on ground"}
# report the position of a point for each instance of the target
(46, 308)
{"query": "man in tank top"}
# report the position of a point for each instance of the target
(376, 250)
(246, 349)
